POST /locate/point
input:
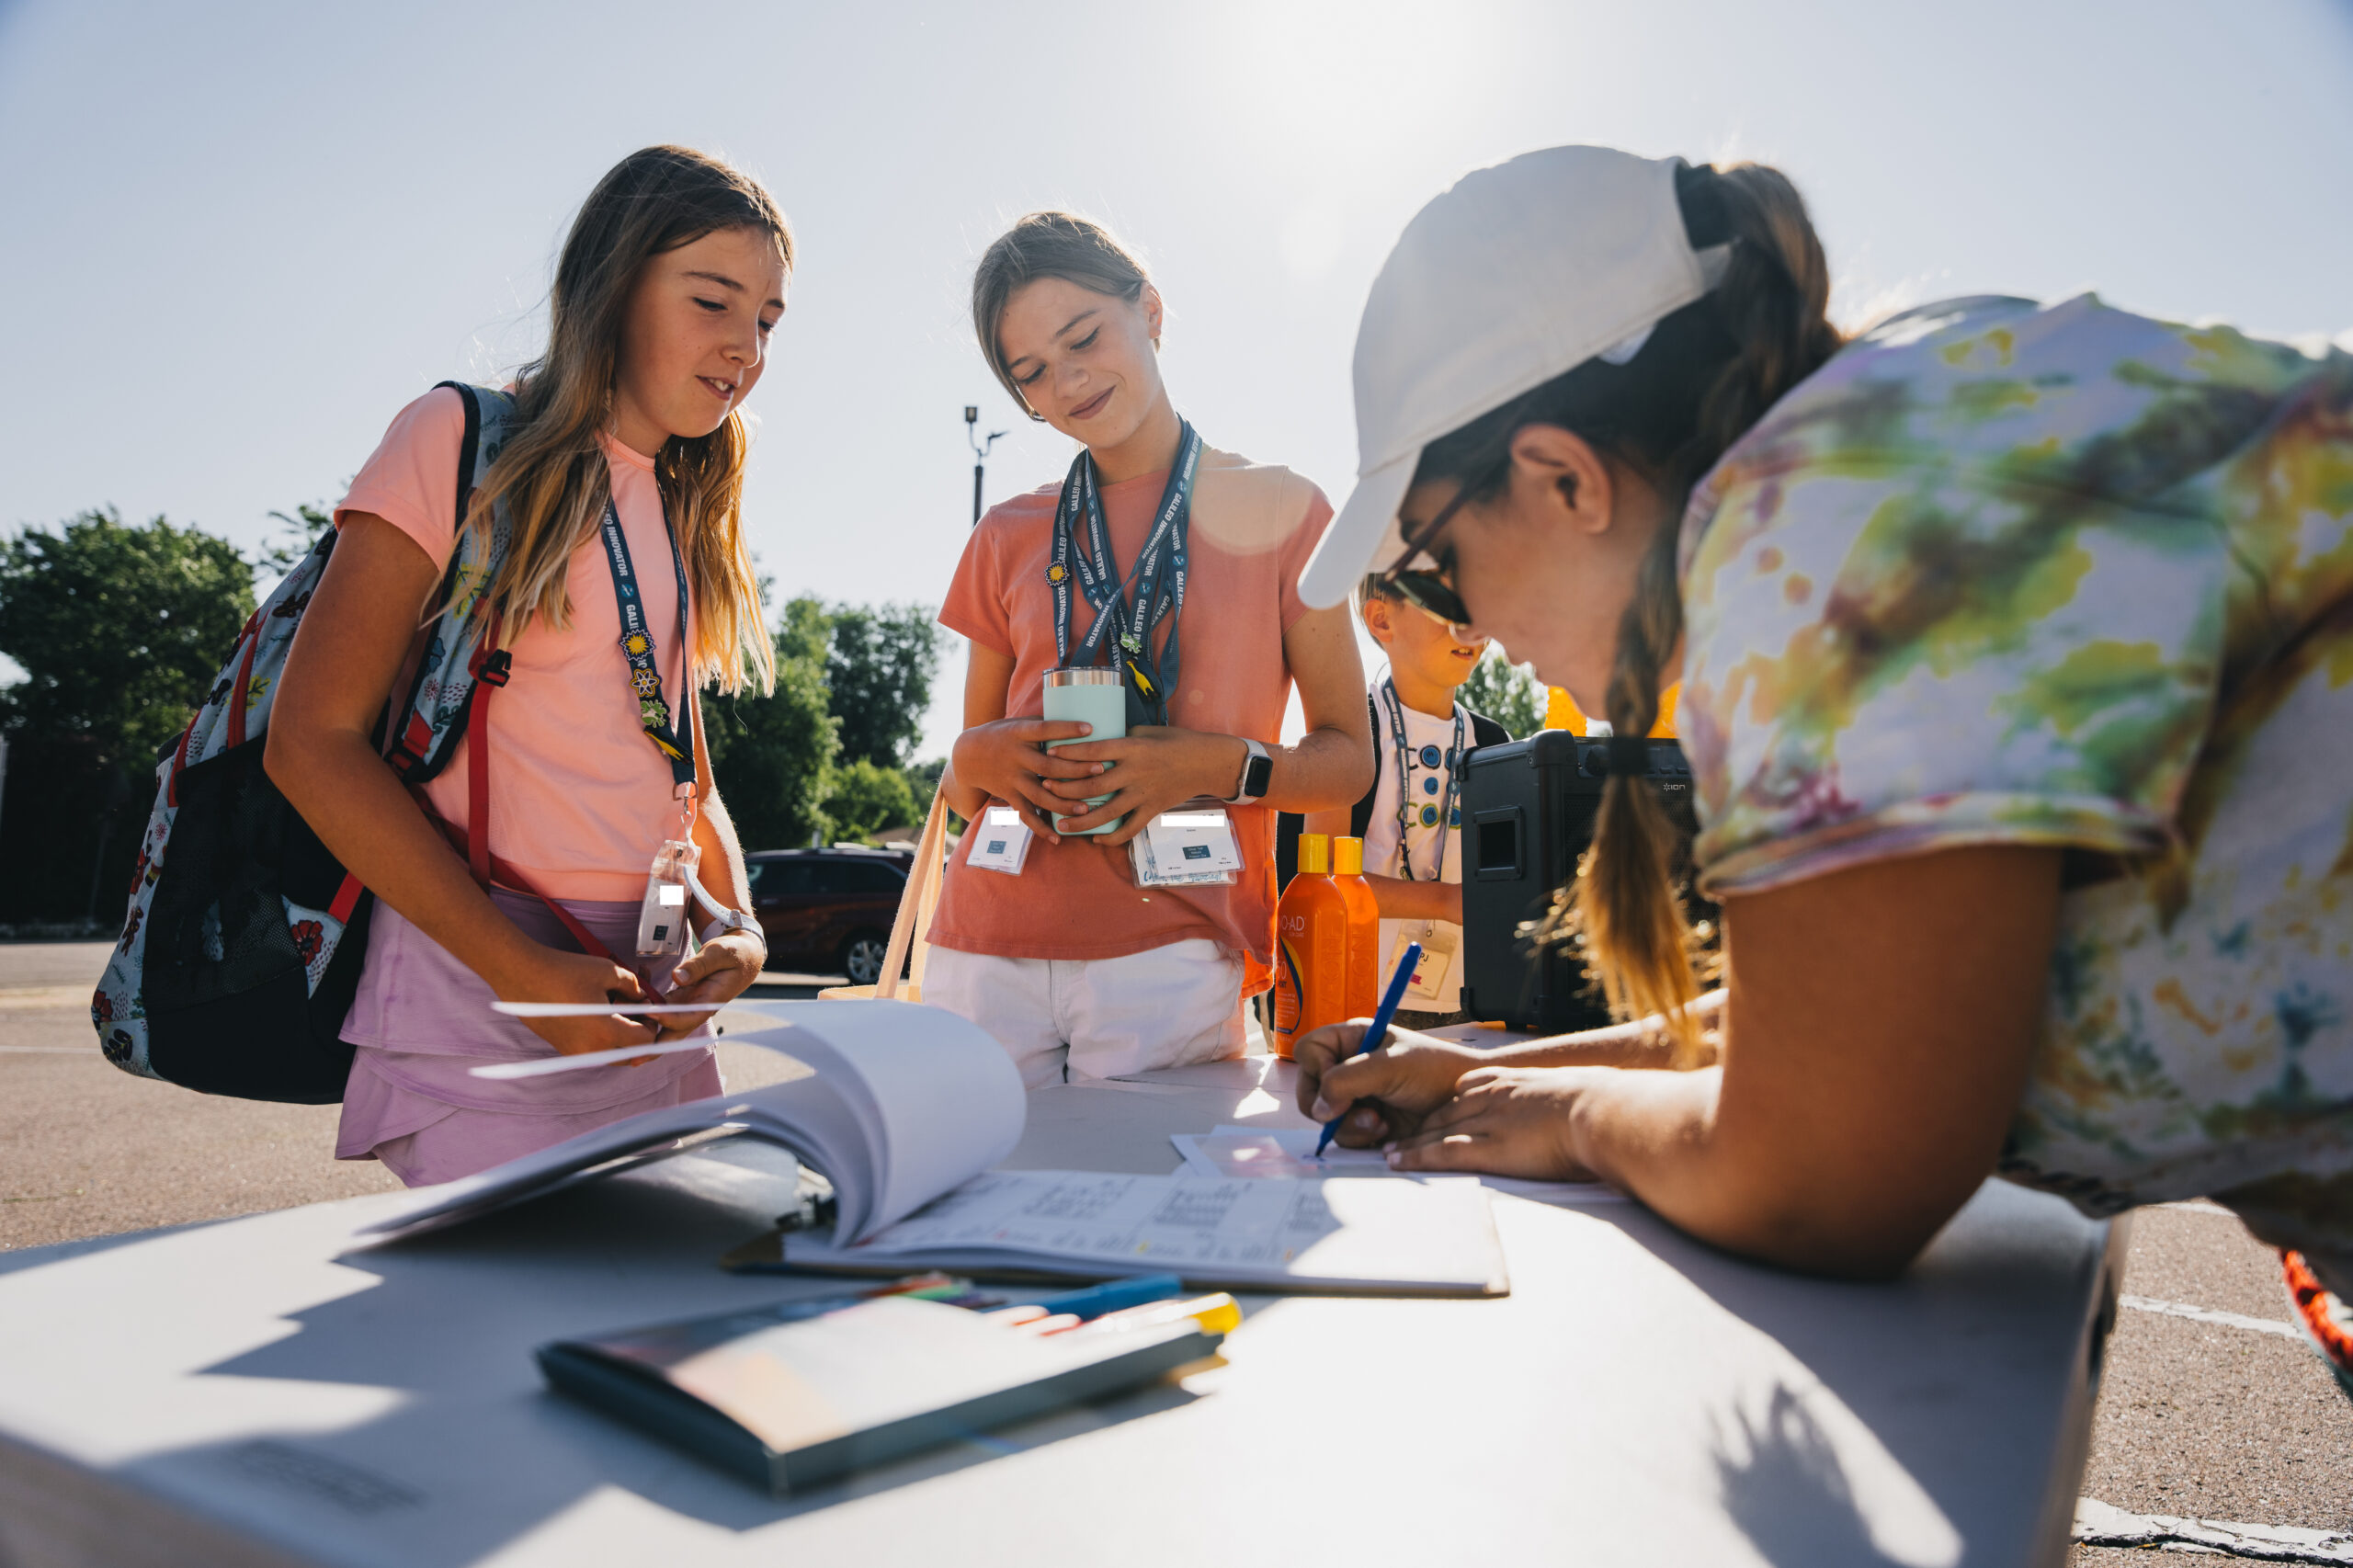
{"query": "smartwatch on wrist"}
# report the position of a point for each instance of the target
(1257, 772)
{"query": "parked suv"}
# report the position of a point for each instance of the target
(828, 910)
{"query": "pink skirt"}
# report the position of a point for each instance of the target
(422, 1020)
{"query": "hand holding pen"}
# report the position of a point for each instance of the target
(1408, 962)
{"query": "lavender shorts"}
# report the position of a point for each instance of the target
(422, 1020)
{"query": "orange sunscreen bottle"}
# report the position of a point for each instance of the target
(1311, 946)
(1361, 992)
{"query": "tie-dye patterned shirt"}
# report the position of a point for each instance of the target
(2004, 574)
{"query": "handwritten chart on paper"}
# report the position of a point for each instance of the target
(1289, 1154)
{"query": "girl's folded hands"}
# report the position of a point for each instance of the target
(1152, 768)
(1007, 760)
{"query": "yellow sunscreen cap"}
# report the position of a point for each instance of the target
(1315, 854)
(1347, 857)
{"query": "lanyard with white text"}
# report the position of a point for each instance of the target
(1440, 816)
(637, 645)
(1132, 621)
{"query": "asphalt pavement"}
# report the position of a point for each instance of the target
(2207, 1408)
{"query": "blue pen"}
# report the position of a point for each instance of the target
(1116, 1296)
(1408, 962)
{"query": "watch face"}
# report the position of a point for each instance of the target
(1255, 778)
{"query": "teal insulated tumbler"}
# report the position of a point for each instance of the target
(1094, 694)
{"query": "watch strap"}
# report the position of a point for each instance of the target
(1258, 767)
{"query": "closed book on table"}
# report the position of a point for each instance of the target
(800, 1393)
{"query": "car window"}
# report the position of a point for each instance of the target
(845, 876)
(780, 878)
(870, 876)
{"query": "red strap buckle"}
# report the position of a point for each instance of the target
(496, 668)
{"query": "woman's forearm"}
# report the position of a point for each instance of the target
(722, 870)
(367, 820)
(1658, 1135)
(1328, 768)
(1641, 1043)
(963, 800)
(1401, 900)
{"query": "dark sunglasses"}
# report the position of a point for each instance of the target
(1428, 591)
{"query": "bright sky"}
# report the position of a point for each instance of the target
(238, 238)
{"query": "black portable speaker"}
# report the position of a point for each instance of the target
(1528, 813)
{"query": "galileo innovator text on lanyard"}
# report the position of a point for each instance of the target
(637, 644)
(1440, 815)
(1157, 583)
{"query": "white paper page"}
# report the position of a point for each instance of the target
(1336, 1231)
(520, 1178)
(1289, 1153)
(947, 1098)
(1265, 1154)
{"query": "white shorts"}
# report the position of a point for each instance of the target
(1063, 1020)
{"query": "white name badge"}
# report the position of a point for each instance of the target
(1439, 940)
(1000, 841)
(1178, 848)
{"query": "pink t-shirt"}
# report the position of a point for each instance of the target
(579, 796)
(1253, 529)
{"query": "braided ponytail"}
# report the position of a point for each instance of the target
(1707, 374)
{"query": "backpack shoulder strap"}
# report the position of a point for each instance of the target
(1361, 815)
(1485, 732)
(424, 730)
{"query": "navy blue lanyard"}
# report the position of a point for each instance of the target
(1129, 612)
(637, 645)
(1454, 760)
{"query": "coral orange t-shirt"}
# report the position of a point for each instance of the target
(1253, 528)
(579, 796)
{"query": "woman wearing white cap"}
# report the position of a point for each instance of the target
(2016, 651)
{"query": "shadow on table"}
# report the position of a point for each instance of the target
(1784, 1484)
(440, 1328)
(1976, 1309)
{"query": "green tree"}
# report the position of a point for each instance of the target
(866, 796)
(1509, 694)
(120, 630)
(791, 767)
(922, 780)
(772, 756)
(878, 669)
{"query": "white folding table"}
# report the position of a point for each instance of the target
(239, 1393)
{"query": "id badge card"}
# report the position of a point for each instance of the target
(1000, 841)
(662, 918)
(1186, 849)
(1438, 942)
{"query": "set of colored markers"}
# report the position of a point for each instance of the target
(1148, 1300)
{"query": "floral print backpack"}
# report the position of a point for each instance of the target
(244, 938)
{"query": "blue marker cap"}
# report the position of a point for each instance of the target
(1116, 1296)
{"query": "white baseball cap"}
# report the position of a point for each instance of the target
(1517, 274)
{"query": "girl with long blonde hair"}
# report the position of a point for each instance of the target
(618, 466)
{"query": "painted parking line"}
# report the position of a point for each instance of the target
(2208, 1315)
(2098, 1523)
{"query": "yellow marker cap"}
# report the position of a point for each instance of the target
(1347, 857)
(1314, 854)
(1219, 1314)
